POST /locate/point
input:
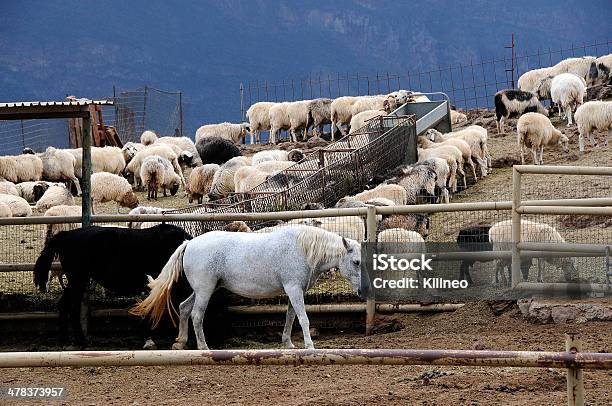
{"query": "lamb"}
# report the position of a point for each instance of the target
(344, 108)
(413, 222)
(223, 180)
(18, 206)
(8, 188)
(259, 119)
(59, 165)
(55, 195)
(229, 131)
(5, 210)
(457, 117)
(106, 187)
(600, 71)
(530, 80)
(148, 137)
(200, 181)
(512, 102)
(396, 193)
(164, 151)
(32, 191)
(359, 120)
(319, 114)
(442, 170)
(568, 91)
(594, 115)
(103, 159)
(295, 155)
(21, 168)
(400, 241)
(534, 131)
(145, 210)
(453, 157)
(157, 172)
(187, 147)
(345, 226)
(130, 149)
(464, 147)
(500, 235)
(217, 150)
(476, 137)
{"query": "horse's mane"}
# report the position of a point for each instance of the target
(319, 246)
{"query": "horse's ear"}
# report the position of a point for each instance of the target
(346, 244)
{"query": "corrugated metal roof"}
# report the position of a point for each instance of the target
(77, 102)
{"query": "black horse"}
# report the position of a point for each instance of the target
(118, 259)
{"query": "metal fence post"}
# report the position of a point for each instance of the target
(371, 226)
(516, 226)
(575, 376)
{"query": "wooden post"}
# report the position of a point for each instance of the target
(86, 166)
(516, 227)
(575, 376)
(371, 226)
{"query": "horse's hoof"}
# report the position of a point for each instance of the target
(149, 345)
(178, 346)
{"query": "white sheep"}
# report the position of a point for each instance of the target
(511, 102)
(457, 117)
(130, 149)
(8, 188)
(223, 180)
(259, 119)
(157, 172)
(19, 206)
(359, 120)
(187, 147)
(5, 210)
(601, 71)
(103, 159)
(344, 108)
(163, 150)
(500, 235)
(229, 131)
(594, 115)
(106, 187)
(295, 155)
(59, 165)
(534, 131)
(148, 137)
(21, 168)
(395, 193)
(55, 195)
(568, 91)
(345, 226)
(200, 181)
(400, 241)
(145, 210)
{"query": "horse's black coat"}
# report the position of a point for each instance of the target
(119, 259)
(217, 150)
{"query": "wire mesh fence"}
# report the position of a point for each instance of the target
(469, 85)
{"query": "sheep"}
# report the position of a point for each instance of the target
(55, 195)
(593, 115)
(414, 222)
(130, 149)
(530, 80)
(106, 187)
(200, 181)
(476, 137)
(344, 108)
(359, 120)
(162, 150)
(157, 172)
(345, 226)
(295, 155)
(457, 117)
(148, 137)
(59, 165)
(248, 177)
(512, 102)
(400, 241)
(103, 159)
(259, 119)
(5, 210)
(21, 168)
(453, 157)
(217, 150)
(568, 91)
(32, 191)
(187, 147)
(229, 131)
(534, 131)
(442, 170)
(462, 146)
(500, 235)
(395, 193)
(8, 188)
(237, 227)
(600, 71)
(19, 206)
(223, 180)
(145, 210)
(319, 114)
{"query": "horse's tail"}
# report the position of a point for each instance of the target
(44, 261)
(159, 299)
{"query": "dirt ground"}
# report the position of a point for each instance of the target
(473, 327)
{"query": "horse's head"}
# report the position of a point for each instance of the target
(350, 264)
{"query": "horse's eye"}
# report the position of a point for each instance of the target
(356, 262)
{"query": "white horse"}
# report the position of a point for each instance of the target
(254, 265)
